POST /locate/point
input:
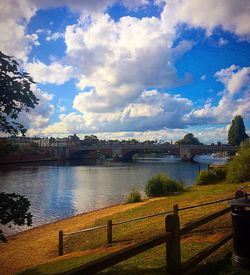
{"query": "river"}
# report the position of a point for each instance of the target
(59, 190)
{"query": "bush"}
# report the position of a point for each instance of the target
(134, 196)
(161, 184)
(205, 177)
(238, 169)
(212, 176)
(220, 173)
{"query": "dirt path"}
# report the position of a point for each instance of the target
(39, 244)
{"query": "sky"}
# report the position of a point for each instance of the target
(145, 69)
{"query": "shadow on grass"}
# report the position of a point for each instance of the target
(221, 267)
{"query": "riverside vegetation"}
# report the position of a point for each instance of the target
(236, 171)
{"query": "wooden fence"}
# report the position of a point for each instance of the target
(171, 238)
(109, 225)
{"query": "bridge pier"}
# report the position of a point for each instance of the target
(61, 153)
(186, 154)
(117, 154)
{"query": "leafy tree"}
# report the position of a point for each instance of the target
(14, 209)
(7, 147)
(237, 131)
(188, 139)
(16, 95)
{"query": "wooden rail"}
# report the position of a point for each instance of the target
(121, 255)
(191, 226)
(205, 253)
(173, 252)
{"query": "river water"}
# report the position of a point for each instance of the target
(60, 190)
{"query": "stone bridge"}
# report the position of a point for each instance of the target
(126, 152)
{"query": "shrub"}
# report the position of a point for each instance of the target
(220, 173)
(161, 184)
(134, 196)
(212, 176)
(238, 169)
(205, 177)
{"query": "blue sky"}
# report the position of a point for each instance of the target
(132, 69)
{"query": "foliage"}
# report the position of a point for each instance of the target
(237, 131)
(238, 169)
(188, 139)
(14, 209)
(161, 184)
(212, 176)
(16, 95)
(7, 147)
(90, 140)
(134, 196)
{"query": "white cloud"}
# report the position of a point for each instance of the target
(234, 78)
(205, 135)
(203, 77)
(222, 42)
(227, 14)
(120, 59)
(39, 117)
(235, 98)
(151, 111)
(55, 36)
(55, 73)
(15, 16)
(89, 6)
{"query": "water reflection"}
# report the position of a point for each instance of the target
(58, 190)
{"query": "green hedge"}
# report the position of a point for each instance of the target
(161, 184)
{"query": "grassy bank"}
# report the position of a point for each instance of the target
(39, 245)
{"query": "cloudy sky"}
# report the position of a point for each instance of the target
(132, 68)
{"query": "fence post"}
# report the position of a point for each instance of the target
(173, 247)
(109, 231)
(176, 209)
(60, 243)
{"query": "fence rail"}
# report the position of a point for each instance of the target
(121, 255)
(109, 225)
(171, 237)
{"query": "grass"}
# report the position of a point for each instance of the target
(92, 244)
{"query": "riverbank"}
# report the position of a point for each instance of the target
(25, 157)
(39, 245)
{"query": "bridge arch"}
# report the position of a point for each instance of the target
(82, 154)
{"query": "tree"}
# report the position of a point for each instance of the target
(237, 132)
(14, 209)
(7, 147)
(90, 140)
(188, 139)
(16, 95)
